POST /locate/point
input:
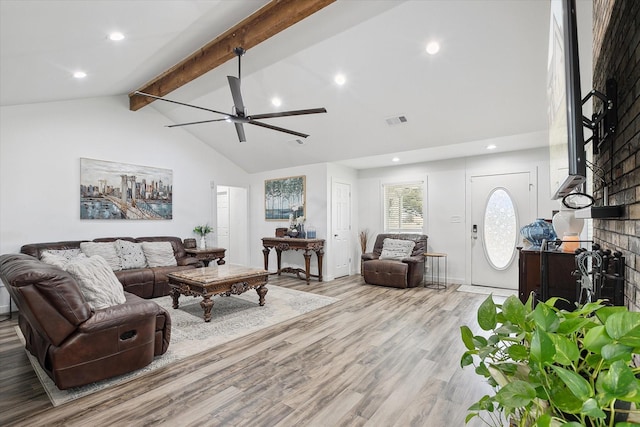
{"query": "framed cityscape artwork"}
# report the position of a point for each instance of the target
(111, 190)
(284, 196)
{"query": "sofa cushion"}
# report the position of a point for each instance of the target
(159, 254)
(106, 250)
(396, 249)
(131, 254)
(60, 260)
(97, 282)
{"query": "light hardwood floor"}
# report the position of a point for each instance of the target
(378, 357)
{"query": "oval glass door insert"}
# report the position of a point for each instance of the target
(500, 229)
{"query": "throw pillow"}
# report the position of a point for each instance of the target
(396, 248)
(131, 254)
(60, 261)
(68, 254)
(106, 250)
(159, 254)
(97, 281)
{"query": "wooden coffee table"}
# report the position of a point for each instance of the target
(228, 279)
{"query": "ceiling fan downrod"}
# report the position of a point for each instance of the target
(239, 51)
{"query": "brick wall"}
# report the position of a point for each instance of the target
(616, 50)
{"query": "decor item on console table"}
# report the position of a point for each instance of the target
(536, 232)
(202, 231)
(207, 255)
(286, 244)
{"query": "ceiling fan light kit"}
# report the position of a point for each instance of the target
(239, 116)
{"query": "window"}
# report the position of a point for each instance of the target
(403, 207)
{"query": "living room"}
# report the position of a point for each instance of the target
(41, 142)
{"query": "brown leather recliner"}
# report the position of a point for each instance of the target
(73, 344)
(405, 273)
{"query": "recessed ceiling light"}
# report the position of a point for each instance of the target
(116, 36)
(79, 74)
(340, 79)
(433, 48)
(276, 101)
(395, 159)
(492, 147)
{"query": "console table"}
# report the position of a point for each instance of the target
(207, 255)
(293, 244)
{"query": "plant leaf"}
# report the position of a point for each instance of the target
(625, 327)
(571, 325)
(612, 352)
(574, 382)
(487, 314)
(596, 338)
(592, 409)
(567, 350)
(618, 381)
(467, 337)
(542, 348)
(514, 310)
(516, 394)
(518, 352)
(545, 318)
(466, 360)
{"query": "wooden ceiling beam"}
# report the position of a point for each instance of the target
(271, 19)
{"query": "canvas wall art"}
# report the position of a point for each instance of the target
(111, 190)
(284, 196)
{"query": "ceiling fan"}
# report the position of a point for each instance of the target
(239, 116)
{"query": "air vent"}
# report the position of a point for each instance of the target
(396, 120)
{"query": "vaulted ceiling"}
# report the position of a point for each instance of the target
(486, 84)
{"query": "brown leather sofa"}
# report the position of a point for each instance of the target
(405, 273)
(149, 282)
(73, 344)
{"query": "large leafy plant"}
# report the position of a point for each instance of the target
(553, 367)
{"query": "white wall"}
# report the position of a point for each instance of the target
(40, 150)
(447, 198)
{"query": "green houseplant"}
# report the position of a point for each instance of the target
(202, 231)
(551, 367)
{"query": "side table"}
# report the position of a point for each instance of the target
(435, 258)
(207, 255)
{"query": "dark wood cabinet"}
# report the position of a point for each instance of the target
(547, 274)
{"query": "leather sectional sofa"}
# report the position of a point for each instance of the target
(148, 282)
(75, 344)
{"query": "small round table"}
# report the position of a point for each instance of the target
(436, 283)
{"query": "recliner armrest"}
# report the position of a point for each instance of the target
(133, 309)
(413, 259)
(369, 256)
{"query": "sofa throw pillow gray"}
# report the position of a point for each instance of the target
(396, 248)
(106, 250)
(131, 254)
(159, 254)
(68, 254)
(60, 261)
(97, 281)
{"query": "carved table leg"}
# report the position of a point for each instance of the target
(175, 294)
(279, 253)
(307, 264)
(265, 252)
(206, 305)
(319, 254)
(262, 291)
(221, 261)
(205, 262)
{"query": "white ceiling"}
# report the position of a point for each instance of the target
(487, 83)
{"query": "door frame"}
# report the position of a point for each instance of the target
(534, 184)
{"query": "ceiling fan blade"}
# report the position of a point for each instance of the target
(279, 129)
(179, 103)
(289, 113)
(197, 123)
(240, 131)
(234, 85)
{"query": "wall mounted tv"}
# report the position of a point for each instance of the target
(566, 140)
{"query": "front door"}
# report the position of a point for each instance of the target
(500, 205)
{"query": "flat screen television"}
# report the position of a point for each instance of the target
(566, 140)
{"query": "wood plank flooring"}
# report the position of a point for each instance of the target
(378, 357)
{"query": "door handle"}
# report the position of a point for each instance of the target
(474, 232)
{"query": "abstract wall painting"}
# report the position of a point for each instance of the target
(284, 196)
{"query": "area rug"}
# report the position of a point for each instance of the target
(232, 317)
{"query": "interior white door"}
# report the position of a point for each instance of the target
(500, 205)
(341, 228)
(232, 224)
